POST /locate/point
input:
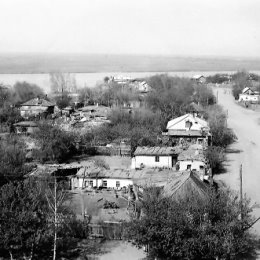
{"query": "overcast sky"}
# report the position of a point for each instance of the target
(157, 27)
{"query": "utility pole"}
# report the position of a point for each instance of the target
(241, 191)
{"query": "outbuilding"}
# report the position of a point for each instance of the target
(152, 157)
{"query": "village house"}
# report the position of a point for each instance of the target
(26, 127)
(249, 95)
(35, 107)
(188, 129)
(186, 186)
(140, 86)
(191, 159)
(199, 79)
(92, 176)
(151, 157)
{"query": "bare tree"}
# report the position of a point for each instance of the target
(55, 200)
(63, 82)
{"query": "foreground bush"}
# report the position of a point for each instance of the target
(193, 229)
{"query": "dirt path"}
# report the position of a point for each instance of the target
(245, 124)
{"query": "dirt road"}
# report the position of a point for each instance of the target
(246, 126)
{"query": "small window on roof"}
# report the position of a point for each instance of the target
(157, 158)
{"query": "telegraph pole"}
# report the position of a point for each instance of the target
(241, 191)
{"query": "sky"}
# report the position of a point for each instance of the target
(149, 27)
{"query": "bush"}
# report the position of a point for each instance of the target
(209, 228)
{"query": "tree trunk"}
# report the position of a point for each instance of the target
(11, 255)
(55, 220)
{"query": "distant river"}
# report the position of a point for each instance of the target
(91, 79)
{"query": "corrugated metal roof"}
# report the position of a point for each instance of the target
(156, 150)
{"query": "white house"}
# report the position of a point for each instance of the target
(199, 79)
(191, 159)
(151, 157)
(95, 177)
(249, 95)
(190, 126)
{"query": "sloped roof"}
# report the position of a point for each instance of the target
(198, 76)
(26, 124)
(156, 150)
(186, 116)
(38, 102)
(186, 185)
(192, 154)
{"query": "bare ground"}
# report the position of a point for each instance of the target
(245, 124)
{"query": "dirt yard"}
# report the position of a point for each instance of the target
(246, 150)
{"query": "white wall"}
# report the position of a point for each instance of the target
(149, 161)
(244, 97)
(111, 183)
(195, 165)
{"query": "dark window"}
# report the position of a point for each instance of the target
(188, 124)
(200, 141)
(157, 158)
(105, 184)
(201, 167)
(188, 166)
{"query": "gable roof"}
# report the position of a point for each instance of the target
(198, 76)
(185, 186)
(144, 150)
(38, 102)
(181, 118)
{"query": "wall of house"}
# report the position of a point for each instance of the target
(111, 183)
(77, 182)
(195, 165)
(250, 98)
(149, 161)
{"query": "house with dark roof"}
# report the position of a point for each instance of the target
(35, 107)
(188, 185)
(189, 129)
(154, 157)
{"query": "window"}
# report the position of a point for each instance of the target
(188, 166)
(118, 184)
(157, 158)
(105, 184)
(188, 124)
(201, 167)
(200, 141)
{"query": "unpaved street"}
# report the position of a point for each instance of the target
(245, 124)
